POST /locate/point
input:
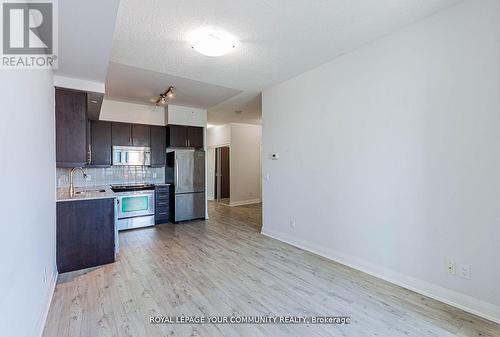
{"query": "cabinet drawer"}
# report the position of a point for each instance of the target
(161, 203)
(161, 208)
(162, 215)
(161, 220)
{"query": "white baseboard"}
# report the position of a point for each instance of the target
(45, 313)
(465, 302)
(244, 202)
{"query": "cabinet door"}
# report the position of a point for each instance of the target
(158, 145)
(100, 135)
(121, 134)
(85, 234)
(176, 136)
(195, 137)
(71, 128)
(141, 135)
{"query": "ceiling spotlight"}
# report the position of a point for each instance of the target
(211, 41)
(169, 93)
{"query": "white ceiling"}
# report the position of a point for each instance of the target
(85, 37)
(279, 39)
(126, 83)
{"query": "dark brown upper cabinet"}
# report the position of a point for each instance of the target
(121, 134)
(141, 135)
(158, 146)
(176, 136)
(124, 134)
(184, 136)
(100, 144)
(71, 128)
(195, 137)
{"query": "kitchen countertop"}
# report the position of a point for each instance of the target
(90, 194)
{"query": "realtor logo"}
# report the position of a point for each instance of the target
(29, 35)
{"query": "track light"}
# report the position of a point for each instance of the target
(163, 99)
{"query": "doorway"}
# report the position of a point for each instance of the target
(222, 175)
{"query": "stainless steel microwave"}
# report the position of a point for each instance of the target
(131, 156)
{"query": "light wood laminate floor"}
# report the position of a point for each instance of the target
(223, 266)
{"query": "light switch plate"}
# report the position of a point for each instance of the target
(464, 271)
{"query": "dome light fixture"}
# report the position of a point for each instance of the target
(211, 41)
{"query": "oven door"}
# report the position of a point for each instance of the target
(134, 204)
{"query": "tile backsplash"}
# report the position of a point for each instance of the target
(111, 175)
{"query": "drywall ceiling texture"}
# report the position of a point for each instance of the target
(85, 38)
(395, 152)
(27, 204)
(278, 39)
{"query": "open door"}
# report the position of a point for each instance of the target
(222, 174)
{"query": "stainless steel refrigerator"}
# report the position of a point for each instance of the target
(186, 172)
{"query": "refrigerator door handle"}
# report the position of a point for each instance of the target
(176, 174)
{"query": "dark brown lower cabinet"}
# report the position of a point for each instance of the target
(162, 207)
(85, 234)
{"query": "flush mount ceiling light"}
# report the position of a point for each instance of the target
(211, 41)
(163, 99)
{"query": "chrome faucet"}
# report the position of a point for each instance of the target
(71, 187)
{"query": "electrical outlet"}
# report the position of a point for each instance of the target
(267, 177)
(154, 175)
(292, 224)
(451, 267)
(464, 271)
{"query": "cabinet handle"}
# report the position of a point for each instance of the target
(176, 172)
(89, 154)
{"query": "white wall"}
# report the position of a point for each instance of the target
(117, 111)
(219, 135)
(210, 173)
(390, 157)
(244, 141)
(182, 115)
(27, 177)
(245, 164)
